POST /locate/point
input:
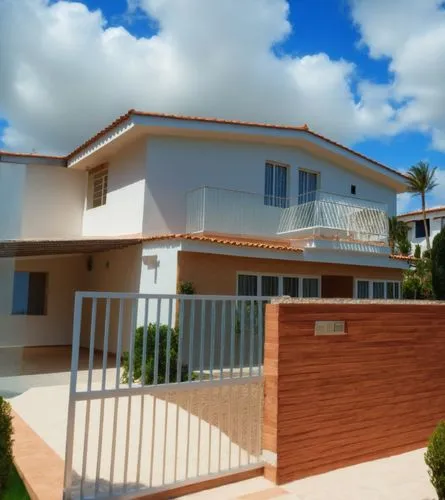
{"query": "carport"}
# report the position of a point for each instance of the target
(38, 279)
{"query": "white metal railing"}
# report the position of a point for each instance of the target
(172, 394)
(316, 213)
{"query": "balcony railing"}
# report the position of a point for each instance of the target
(326, 215)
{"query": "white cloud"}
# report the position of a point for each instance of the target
(437, 196)
(404, 203)
(65, 73)
(411, 33)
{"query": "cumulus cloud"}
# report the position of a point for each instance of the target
(411, 34)
(64, 73)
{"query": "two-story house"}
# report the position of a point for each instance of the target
(154, 200)
(435, 222)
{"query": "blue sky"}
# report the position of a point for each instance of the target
(318, 27)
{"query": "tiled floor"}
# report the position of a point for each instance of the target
(402, 477)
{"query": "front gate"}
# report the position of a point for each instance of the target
(165, 390)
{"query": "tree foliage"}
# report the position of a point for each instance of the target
(435, 459)
(438, 265)
(5, 443)
(421, 179)
(398, 236)
(417, 252)
(417, 281)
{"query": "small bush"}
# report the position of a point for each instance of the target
(5, 443)
(186, 288)
(404, 246)
(435, 459)
(150, 356)
(417, 252)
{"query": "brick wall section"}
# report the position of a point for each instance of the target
(334, 401)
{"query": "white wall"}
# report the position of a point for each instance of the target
(435, 228)
(176, 165)
(53, 202)
(65, 276)
(12, 189)
(158, 277)
(124, 209)
(40, 201)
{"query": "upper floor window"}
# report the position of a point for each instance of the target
(420, 228)
(275, 185)
(29, 293)
(307, 186)
(97, 186)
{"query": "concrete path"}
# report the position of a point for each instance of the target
(146, 454)
(402, 477)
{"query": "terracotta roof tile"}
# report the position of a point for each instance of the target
(27, 248)
(229, 240)
(31, 155)
(428, 211)
(302, 128)
(99, 134)
(402, 257)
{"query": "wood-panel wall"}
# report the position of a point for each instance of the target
(333, 401)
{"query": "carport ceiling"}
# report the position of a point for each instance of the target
(34, 248)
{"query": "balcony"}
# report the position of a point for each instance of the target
(316, 215)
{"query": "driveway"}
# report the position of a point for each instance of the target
(402, 477)
(39, 394)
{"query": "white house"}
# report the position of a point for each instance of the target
(435, 223)
(154, 200)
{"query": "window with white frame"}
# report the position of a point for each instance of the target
(377, 289)
(275, 185)
(268, 285)
(307, 186)
(98, 186)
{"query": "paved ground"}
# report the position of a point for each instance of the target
(402, 477)
(41, 399)
(152, 436)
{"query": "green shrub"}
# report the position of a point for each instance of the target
(411, 286)
(438, 265)
(435, 459)
(404, 246)
(186, 288)
(417, 252)
(5, 443)
(150, 356)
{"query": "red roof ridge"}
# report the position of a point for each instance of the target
(402, 257)
(419, 211)
(226, 240)
(297, 128)
(31, 155)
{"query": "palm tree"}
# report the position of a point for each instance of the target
(421, 180)
(397, 232)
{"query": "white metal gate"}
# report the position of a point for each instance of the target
(172, 393)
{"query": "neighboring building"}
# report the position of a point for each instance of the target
(153, 200)
(435, 223)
